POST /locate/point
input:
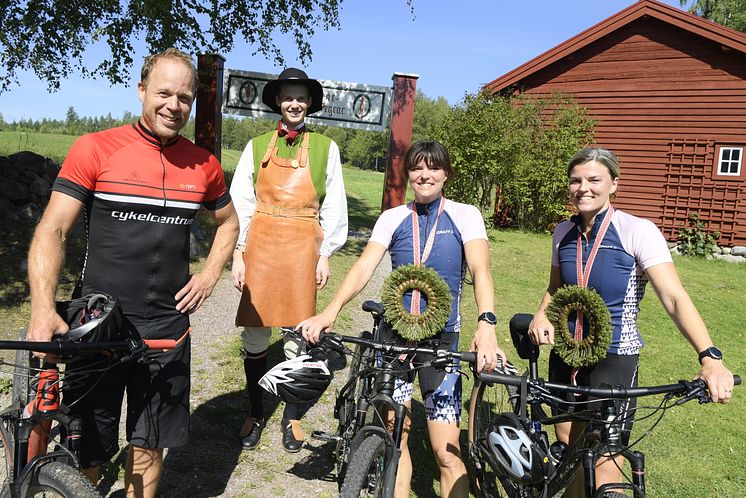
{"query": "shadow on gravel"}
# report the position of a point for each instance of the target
(318, 465)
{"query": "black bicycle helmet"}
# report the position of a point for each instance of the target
(299, 380)
(96, 317)
(515, 452)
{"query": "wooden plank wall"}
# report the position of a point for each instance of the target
(647, 85)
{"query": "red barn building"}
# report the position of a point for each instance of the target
(668, 91)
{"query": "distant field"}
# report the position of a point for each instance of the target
(56, 146)
(46, 144)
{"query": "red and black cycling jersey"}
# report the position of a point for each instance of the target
(140, 199)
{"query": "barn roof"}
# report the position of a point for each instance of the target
(710, 30)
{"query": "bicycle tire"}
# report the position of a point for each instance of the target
(364, 475)
(26, 364)
(62, 480)
(486, 402)
(348, 409)
(22, 392)
(6, 439)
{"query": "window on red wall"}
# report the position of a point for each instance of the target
(729, 163)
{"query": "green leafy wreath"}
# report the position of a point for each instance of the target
(436, 293)
(597, 325)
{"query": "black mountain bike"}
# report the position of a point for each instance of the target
(367, 452)
(38, 435)
(523, 397)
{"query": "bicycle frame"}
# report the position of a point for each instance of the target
(600, 438)
(31, 424)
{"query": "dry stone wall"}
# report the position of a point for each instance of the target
(26, 180)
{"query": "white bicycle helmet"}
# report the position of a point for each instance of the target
(299, 380)
(513, 450)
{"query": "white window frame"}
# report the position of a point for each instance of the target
(730, 162)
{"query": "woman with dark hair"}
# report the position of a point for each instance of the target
(616, 254)
(451, 238)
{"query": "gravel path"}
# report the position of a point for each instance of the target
(212, 464)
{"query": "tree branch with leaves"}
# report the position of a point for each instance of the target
(51, 37)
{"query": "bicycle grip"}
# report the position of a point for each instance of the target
(469, 356)
(160, 343)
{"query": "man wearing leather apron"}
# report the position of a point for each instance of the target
(289, 194)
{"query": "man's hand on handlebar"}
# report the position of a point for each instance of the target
(42, 328)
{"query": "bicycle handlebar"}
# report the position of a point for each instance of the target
(689, 388)
(62, 347)
(336, 341)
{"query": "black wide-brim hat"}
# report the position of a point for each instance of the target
(293, 76)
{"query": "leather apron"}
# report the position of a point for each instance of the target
(282, 243)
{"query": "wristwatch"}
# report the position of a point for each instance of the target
(488, 317)
(711, 352)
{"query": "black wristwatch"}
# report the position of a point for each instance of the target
(488, 317)
(711, 352)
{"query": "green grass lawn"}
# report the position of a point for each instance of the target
(46, 144)
(695, 451)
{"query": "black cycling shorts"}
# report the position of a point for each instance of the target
(157, 393)
(614, 370)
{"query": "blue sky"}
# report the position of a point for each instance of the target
(454, 46)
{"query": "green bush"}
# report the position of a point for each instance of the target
(695, 240)
(510, 156)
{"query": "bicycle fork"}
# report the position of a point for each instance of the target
(614, 447)
(384, 398)
(31, 432)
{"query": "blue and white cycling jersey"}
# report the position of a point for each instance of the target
(458, 224)
(631, 246)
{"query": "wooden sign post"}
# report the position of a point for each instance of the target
(400, 138)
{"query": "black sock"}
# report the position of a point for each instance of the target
(295, 412)
(255, 365)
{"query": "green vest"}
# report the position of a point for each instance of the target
(318, 154)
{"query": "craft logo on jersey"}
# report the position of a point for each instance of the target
(134, 177)
(187, 186)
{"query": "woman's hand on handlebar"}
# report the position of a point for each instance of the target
(485, 346)
(311, 328)
(540, 330)
(718, 378)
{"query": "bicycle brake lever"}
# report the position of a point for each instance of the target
(137, 353)
(700, 392)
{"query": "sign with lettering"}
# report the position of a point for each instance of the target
(347, 105)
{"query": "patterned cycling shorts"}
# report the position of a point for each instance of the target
(442, 404)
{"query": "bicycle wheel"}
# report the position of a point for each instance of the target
(26, 366)
(60, 480)
(22, 392)
(346, 412)
(365, 471)
(6, 439)
(487, 401)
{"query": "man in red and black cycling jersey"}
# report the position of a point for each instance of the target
(140, 187)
